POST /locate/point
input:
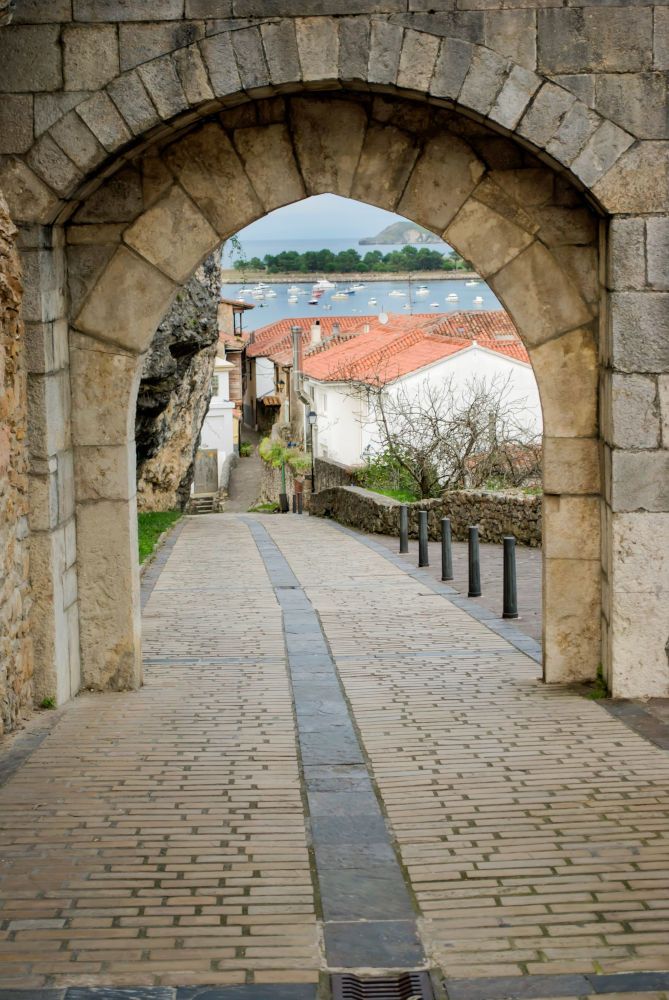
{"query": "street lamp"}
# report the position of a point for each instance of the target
(312, 417)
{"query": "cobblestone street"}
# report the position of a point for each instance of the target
(331, 766)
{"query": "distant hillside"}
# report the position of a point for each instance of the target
(401, 232)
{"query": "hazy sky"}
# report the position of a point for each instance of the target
(325, 215)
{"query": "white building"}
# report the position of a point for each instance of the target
(217, 429)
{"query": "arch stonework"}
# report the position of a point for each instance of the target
(145, 172)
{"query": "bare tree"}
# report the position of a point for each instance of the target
(449, 436)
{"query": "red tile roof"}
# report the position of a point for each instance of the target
(365, 349)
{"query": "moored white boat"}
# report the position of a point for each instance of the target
(323, 285)
(452, 297)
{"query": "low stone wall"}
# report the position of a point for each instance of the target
(497, 514)
(16, 663)
(329, 473)
(270, 485)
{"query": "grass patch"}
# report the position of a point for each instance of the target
(245, 449)
(264, 508)
(151, 526)
(48, 702)
(406, 496)
(598, 689)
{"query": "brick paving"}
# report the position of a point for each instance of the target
(161, 837)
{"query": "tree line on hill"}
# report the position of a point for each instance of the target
(409, 258)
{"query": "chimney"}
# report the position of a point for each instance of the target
(336, 329)
(365, 328)
(316, 333)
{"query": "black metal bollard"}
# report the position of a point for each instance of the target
(446, 550)
(300, 502)
(283, 503)
(510, 584)
(294, 503)
(474, 563)
(404, 528)
(423, 554)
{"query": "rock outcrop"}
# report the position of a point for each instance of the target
(15, 645)
(174, 392)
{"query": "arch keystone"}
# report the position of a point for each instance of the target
(111, 313)
(209, 169)
(397, 152)
(444, 176)
(173, 235)
(328, 140)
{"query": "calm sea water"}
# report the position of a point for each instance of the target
(376, 297)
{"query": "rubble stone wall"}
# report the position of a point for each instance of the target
(496, 514)
(15, 646)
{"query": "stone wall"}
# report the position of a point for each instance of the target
(329, 473)
(270, 485)
(174, 393)
(15, 646)
(497, 514)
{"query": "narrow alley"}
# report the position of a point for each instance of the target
(330, 767)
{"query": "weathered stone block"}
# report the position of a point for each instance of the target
(600, 152)
(98, 418)
(90, 56)
(575, 130)
(354, 37)
(635, 101)
(512, 33)
(109, 595)
(173, 222)
(140, 43)
(539, 296)
(328, 138)
(16, 123)
(267, 155)
(43, 487)
(55, 168)
(571, 528)
(42, 11)
(397, 151)
(281, 52)
(30, 58)
(385, 46)
(78, 142)
(638, 181)
(48, 413)
(661, 39)
(485, 77)
(85, 265)
(127, 10)
(208, 167)
(571, 632)
(450, 69)
(657, 252)
(130, 97)
(219, 59)
(193, 75)
(571, 465)
(640, 480)
(50, 107)
(127, 303)
(120, 199)
(445, 175)
(417, 59)
(626, 261)
(640, 331)
(485, 237)
(615, 39)
(163, 85)
(208, 8)
(105, 472)
(545, 114)
(318, 47)
(44, 283)
(104, 121)
(250, 56)
(638, 637)
(566, 369)
(512, 100)
(635, 411)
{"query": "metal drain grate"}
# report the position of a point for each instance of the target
(405, 986)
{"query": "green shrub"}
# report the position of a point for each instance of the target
(48, 702)
(245, 449)
(383, 474)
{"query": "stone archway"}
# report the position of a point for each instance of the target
(106, 176)
(522, 227)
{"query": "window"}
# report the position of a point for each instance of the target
(324, 402)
